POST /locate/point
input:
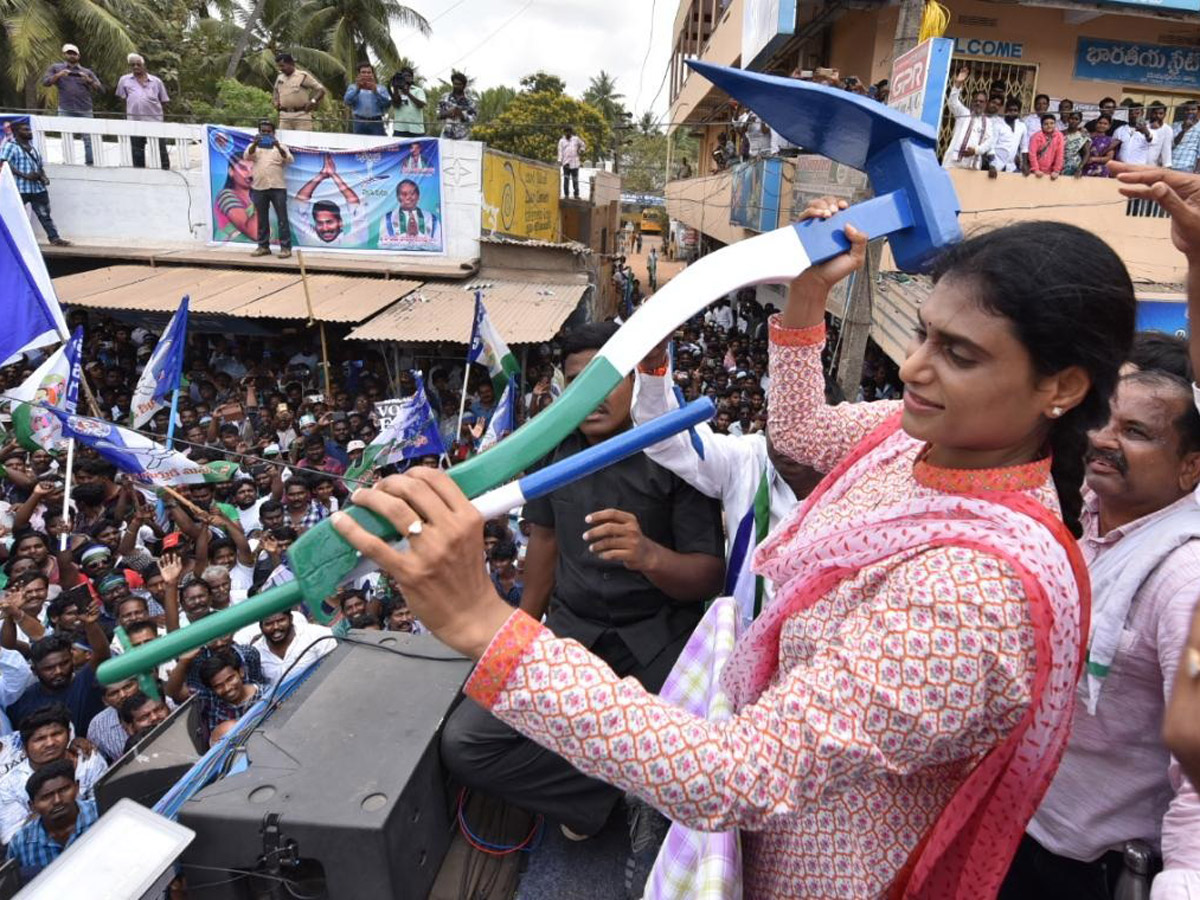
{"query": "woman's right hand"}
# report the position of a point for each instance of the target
(806, 298)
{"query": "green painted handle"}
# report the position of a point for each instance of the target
(321, 559)
(147, 683)
(176, 643)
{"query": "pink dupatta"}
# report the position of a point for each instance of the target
(967, 851)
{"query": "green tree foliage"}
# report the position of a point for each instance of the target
(357, 30)
(531, 125)
(602, 94)
(543, 83)
(235, 104)
(35, 30)
(493, 102)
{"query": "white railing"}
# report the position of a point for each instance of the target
(60, 141)
(114, 204)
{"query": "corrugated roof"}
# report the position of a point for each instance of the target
(232, 292)
(523, 313)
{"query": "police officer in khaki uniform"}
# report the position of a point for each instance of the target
(296, 95)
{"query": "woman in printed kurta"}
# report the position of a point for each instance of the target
(902, 705)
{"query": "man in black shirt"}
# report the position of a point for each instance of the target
(59, 681)
(622, 560)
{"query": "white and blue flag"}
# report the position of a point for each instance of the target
(32, 315)
(144, 460)
(163, 370)
(412, 433)
(504, 419)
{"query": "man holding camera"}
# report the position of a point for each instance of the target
(75, 84)
(408, 103)
(297, 93)
(26, 164)
(268, 188)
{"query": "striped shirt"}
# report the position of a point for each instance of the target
(34, 849)
(26, 165)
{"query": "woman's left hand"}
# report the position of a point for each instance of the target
(441, 573)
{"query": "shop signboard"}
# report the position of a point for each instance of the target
(918, 83)
(1134, 62)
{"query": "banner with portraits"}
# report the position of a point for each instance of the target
(383, 198)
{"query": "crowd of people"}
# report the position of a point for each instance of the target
(907, 710)
(993, 133)
(913, 580)
(374, 108)
(279, 444)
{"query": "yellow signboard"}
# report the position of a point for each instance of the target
(520, 197)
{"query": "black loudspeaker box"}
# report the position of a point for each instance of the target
(340, 792)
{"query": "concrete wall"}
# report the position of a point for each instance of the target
(113, 203)
(1144, 243)
(724, 48)
(703, 204)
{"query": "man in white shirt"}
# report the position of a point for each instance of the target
(758, 135)
(570, 148)
(1135, 138)
(973, 132)
(1162, 138)
(739, 471)
(286, 639)
(46, 735)
(1010, 136)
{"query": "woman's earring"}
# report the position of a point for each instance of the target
(1056, 412)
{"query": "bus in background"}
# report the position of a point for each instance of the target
(645, 212)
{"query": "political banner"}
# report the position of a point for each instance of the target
(382, 198)
(6, 126)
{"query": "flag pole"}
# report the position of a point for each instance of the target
(462, 406)
(66, 510)
(328, 392)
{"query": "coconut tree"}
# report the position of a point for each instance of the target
(357, 30)
(35, 31)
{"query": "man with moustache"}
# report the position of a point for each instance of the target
(62, 817)
(1118, 793)
(622, 560)
(1010, 136)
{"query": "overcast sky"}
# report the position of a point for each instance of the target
(499, 41)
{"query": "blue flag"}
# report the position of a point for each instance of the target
(412, 433)
(144, 460)
(32, 316)
(163, 370)
(488, 348)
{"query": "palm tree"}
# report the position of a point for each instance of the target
(357, 30)
(602, 94)
(493, 101)
(647, 124)
(36, 30)
(278, 27)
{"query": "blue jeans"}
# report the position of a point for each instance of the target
(87, 138)
(369, 126)
(41, 208)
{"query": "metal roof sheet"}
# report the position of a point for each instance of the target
(232, 292)
(523, 313)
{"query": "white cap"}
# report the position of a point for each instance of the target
(271, 450)
(355, 445)
(70, 48)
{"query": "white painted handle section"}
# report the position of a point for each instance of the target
(776, 257)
